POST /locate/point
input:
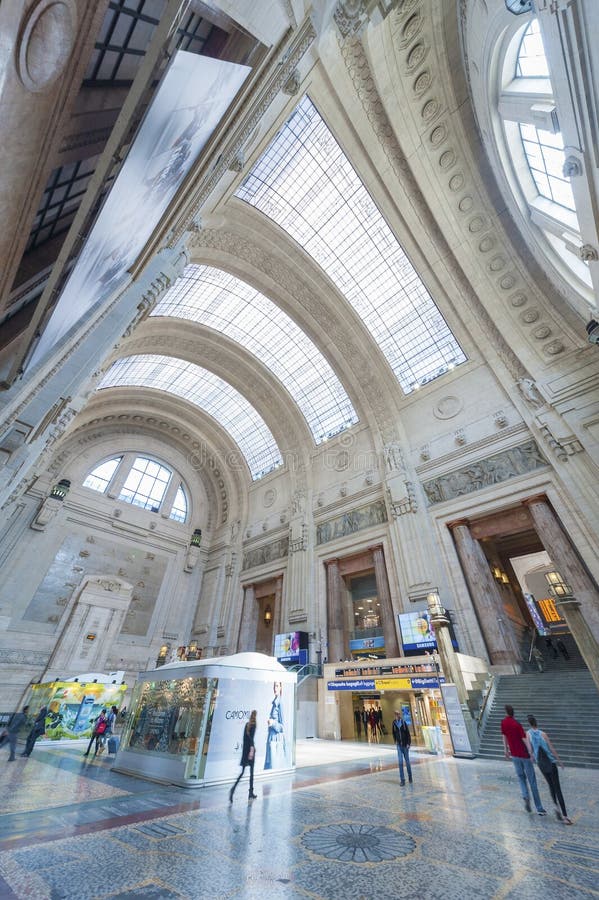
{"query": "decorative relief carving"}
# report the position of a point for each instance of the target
(293, 84)
(552, 442)
(352, 521)
(460, 437)
(34, 658)
(448, 407)
(492, 470)
(259, 556)
(45, 43)
(269, 497)
(530, 391)
(588, 253)
(572, 167)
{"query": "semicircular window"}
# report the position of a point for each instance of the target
(535, 146)
(306, 184)
(207, 391)
(100, 477)
(231, 306)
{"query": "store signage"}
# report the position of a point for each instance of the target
(534, 613)
(455, 719)
(393, 684)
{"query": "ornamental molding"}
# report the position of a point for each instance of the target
(33, 658)
(243, 125)
(411, 36)
(484, 473)
(449, 459)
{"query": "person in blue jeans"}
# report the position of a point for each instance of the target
(517, 748)
(403, 739)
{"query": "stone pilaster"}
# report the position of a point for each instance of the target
(384, 596)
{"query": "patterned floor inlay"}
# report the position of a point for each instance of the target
(343, 830)
(358, 843)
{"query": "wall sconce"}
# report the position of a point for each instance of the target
(267, 615)
(196, 538)
(505, 578)
(557, 586)
(496, 573)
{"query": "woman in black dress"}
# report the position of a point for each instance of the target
(247, 756)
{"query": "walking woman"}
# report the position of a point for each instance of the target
(547, 759)
(247, 756)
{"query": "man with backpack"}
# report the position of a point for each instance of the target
(98, 732)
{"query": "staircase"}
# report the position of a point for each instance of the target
(565, 703)
(553, 659)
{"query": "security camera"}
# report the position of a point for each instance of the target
(593, 331)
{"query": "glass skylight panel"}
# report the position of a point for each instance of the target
(228, 305)
(179, 510)
(101, 476)
(546, 156)
(207, 391)
(305, 183)
(532, 62)
(146, 484)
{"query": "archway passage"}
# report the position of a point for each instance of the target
(507, 558)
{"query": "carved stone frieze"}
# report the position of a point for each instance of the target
(37, 658)
(351, 521)
(492, 470)
(259, 556)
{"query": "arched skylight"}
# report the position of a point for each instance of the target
(206, 390)
(179, 510)
(100, 477)
(305, 183)
(228, 305)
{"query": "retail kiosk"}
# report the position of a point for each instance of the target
(186, 720)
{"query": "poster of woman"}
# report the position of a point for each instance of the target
(276, 742)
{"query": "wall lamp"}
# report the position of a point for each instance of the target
(267, 615)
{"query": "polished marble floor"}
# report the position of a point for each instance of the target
(341, 828)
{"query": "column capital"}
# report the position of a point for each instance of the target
(334, 560)
(456, 522)
(538, 498)
(375, 547)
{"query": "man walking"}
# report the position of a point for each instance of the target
(12, 732)
(517, 747)
(403, 739)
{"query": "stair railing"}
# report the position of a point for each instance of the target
(487, 704)
(532, 645)
(306, 671)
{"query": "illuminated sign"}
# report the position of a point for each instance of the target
(292, 647)
(549, 611)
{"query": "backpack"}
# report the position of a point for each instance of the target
(101, 727)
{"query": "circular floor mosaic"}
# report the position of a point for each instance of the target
(358, 843)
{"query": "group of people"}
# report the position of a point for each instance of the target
(16, 724)
(522, 747)
(372, 721)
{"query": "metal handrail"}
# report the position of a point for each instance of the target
(490, 694)
(306, 671)
(532, 645)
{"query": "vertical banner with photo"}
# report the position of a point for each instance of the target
(192, 99)
(274, 702)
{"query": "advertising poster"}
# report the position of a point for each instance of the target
(275, 728)
(193, 97)
(73, 706)
(292, 647)
(418, 634)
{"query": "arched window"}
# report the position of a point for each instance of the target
(142, 482)
(146, 484)
(100, 477)
(536, 156)
(179, 510)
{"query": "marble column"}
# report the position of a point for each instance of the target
(565, 559)
(486, 599)
(384, 596)
(336, 648)
(278, 610)
(249, 620)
